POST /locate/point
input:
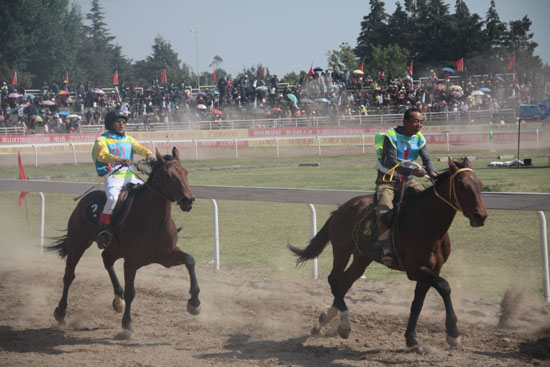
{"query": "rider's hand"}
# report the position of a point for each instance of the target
(124, 162)
(418, 172)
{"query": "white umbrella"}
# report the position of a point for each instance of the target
(359, 72)
(477, 93)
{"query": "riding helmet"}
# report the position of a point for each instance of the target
(114, 115)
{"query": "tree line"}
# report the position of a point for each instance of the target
(44, 40)
(427, 34)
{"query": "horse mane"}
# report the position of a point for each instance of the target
(154, 165)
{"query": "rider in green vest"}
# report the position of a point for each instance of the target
(394, 148)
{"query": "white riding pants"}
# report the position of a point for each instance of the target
(113, 186)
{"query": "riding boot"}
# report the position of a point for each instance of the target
(387, 255)
(103, 238)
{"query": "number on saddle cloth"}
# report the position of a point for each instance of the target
(96, 201)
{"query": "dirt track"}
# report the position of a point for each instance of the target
(246, 320)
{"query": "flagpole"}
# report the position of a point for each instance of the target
(192, 30)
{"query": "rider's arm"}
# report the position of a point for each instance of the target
(140, 149)
(427, 161)
(102, 154)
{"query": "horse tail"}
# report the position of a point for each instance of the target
(59, 245)
(316, 245)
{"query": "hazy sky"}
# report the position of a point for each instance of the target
(282, 35)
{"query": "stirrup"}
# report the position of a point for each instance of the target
(103, 239)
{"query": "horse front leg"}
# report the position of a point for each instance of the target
(179, 257)
(416, 307)
(129, 294)
(444, 289)
(108, 262)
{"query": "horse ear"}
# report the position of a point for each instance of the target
(467, 163)
(176, 153)
(159, 156)
(452, 165)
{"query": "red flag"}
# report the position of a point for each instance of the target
(411, 69)
(511, 63)
(22, 176)
(361, 67)
(263, 73)
(214, 76)
(310, 72)
(14, 79)
(163, 76)
(67, 77)
(460, 64)
(115, 77)
(381, 75)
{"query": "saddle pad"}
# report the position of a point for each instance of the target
(365, 233)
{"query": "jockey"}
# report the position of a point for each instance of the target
(401, 144)
(113, 153)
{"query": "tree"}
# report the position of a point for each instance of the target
(373, 30)
(98, 54)
(343, 59)
(162, 57)
(216, 61)
(392, 59)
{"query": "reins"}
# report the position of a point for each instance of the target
(452, 191)
(164, 196)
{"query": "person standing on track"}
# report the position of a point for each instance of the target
(113, 153)
(395, 146)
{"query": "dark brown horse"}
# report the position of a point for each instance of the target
(425, 245)
(143, 233)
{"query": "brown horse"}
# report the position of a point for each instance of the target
(143, 233)
(421, 230)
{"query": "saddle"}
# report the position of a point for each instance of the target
(95, 201)
(365, 232)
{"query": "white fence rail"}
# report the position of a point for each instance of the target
(538, 202)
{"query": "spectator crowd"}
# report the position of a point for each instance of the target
(57, 109)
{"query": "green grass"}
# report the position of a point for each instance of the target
(254, 235)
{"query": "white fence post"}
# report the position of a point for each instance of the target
(544, 255)
(236, 149)
(447, 138)
(196, 149)
(216, 234)
(313, 233)
(319, 144)
(35, 155)
(277, 146)
(42, 216)
(74, 152)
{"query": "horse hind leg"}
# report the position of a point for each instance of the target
(73, 257)
(355, 270)
(108, 262)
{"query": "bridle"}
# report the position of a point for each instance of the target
(162, 195)
(452, 191)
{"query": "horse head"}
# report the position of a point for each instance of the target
(465, 187)
(171, 178)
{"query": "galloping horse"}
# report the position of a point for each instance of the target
(144, 233)
(421, 231)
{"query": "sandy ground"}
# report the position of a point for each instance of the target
(246, 320)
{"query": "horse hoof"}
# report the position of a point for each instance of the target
(124, 335)
(315, 331)
(118, 304)
(193, 310)
(59, 315)
(324, 319)
(344, 332)
(416, 349)
(453, 342)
